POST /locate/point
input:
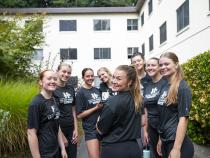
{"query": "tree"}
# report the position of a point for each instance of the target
(17, 44)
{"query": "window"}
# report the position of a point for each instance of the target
(209, 5)
(163, 33)
(143, 49)
(38, 28)
(68, 25)
(151, 45)
(38, 54)
(100, 25)
(132, 50)
(68, 53)
(102, 53)
(142, 19)
(183, 15)
(150, 7)
(132, 24)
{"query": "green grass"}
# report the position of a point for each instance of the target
(15, 98)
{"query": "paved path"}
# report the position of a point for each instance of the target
(200, 151)
(82, 150)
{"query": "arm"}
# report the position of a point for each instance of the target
(146, 136)
(33, 142)
(180, 134)
(75, 132)
(89, 111)
(61, 143)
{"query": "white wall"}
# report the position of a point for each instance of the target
(85, 39)
(190, 41)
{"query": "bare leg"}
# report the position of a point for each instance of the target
(93, 148)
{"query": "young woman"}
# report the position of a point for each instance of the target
(65, 95)
(137, 59)
(151, 96)
(44, 134)
(106, 83)
(120, 120)
(174, 103)
(88, 108)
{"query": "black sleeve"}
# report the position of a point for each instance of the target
(80, 102)
(33, 116)
(106, 119)
(184, 99)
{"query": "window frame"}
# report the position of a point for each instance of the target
(142, 19)
(182, 13)
(101, 53)
(102, 28)
(71, 26)
(36, 54)
(68, 55)
(163, 32)
(150, 7)
(131, 51)
(151, 43)
(131, 24)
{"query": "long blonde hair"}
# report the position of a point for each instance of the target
(175, 79)
(132, 75)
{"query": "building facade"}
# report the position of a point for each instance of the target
(107, 37)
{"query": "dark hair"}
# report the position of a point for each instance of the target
(137, 54)
(132, 75)
(84, 71)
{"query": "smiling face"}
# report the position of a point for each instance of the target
(120, 81)
(152, 67)
(48, 81)
(88, 77)
(103, 76)
(64, 73)
(138, 62)
(167, 67)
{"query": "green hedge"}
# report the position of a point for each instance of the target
(197, 73)
(14, 100)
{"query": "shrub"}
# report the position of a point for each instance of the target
(15, 98)
(197, 74)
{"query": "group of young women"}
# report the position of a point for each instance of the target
(139, 104)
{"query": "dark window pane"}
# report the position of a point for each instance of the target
(150, 7)
(69, 53)
(100, 25)
(143, 49)
(68, 25)
(132, 24)
(151, 43)
(102, 53)
(142, 19)
(183, 15)
(163, 33)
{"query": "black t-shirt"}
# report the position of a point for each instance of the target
(66, 98)
(43, 115)
(106, 92)
(87, 99)
(151, 96)
(144, 82)
(169, 115)
(118, 120)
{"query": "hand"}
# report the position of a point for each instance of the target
(99, 106)
(65, 141)
(63, 153)
(74, 137)
(175, 153)
(146, 137)
(159, 144)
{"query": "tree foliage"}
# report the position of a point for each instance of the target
(197, 74)
(64, 3)
(17, 43)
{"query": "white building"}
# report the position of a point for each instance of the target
(96, 37)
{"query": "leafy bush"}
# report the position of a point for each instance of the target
(15, 98)
(197, 73)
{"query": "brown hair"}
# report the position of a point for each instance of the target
(84, 71)
(175, 80)
(132, 75)
(63, 64)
